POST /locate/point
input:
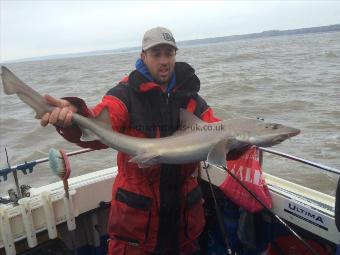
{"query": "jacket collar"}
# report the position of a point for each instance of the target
(142, 68)
(186, 80)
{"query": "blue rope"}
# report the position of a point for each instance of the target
(22, 167)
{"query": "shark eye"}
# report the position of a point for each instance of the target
(275, 126)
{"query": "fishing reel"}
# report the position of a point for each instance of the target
(24, 191)
(14, 196)
(21, 190)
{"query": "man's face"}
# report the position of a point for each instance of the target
(160, 61)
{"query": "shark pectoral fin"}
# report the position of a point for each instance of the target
(145, 159)
(217, 153)
(103, 120)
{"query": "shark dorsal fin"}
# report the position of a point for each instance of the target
(188, 120)
(103, 118)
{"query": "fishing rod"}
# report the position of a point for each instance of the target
(15, 175)
(218, 214)
(274, 215)
(31, 164)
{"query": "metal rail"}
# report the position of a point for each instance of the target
(29, 165)
(304, 161)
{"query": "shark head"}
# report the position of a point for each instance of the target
(269, 134)
(260, 133)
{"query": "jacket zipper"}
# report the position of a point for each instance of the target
(146, 234)
(167, 99)
(168, 117)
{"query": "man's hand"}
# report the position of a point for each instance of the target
(61, 116)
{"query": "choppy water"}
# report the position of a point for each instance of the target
(293, 80)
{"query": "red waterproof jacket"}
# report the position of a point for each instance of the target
(157, 208)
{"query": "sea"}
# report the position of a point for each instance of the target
(293, 80)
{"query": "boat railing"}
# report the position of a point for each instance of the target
(28, 166)
(301, 160)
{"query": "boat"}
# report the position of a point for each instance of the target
(45, 221)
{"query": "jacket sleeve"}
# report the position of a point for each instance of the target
(118, 112)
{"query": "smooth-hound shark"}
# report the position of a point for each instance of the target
(194, 141)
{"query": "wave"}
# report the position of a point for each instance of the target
(331, 55)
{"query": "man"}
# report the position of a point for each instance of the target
(154, 210)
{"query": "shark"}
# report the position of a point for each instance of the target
(194, 140)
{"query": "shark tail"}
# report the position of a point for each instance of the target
(10, 82)
(13, 85)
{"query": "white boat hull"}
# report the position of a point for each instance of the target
(46, 209)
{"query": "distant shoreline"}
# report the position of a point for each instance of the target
(188, 43)
(269, 33)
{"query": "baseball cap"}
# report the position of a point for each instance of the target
(156, 36)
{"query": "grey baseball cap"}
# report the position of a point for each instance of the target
(156, 36)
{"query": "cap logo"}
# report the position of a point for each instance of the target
(168, 37)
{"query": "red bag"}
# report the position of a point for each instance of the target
(246, 167)
(290, 245)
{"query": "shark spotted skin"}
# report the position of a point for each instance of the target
(194, 141)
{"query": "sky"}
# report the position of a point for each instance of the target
(41, 28)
